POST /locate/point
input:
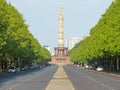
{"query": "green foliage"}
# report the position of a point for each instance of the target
(104, 39)
(15, 38)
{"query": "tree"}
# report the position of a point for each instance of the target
(17, 44)
(103, 45)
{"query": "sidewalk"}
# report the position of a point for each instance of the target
(60, 81)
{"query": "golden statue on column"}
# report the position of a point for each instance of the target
(60, 53)
(60, 36)
(61, 10)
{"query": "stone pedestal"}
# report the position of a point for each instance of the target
(61, 56)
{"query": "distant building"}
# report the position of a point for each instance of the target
(70, 42)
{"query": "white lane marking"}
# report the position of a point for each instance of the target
(13, 86)
(16, 85)
(110, 78)
(10, 87)
(103, 76)
(100, 83)
(97, 81)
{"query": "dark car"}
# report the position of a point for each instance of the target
(24, 68)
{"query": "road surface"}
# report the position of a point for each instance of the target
(28, 80)
(39, 79)
(86, 80)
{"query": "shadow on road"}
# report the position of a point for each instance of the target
(5, 77)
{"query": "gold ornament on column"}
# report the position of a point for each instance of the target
(61, 10)
(60, 36)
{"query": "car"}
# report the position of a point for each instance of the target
(12, 69)
(86, 66)
(76, 63)
(99, 68)
(24, 68)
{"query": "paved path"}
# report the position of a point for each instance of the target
(60, 81)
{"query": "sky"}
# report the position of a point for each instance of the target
(42, 16)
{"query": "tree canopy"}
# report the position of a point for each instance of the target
(15, 38)
(104, 39)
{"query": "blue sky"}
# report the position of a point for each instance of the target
(42, 17)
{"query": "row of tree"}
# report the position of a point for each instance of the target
(102, 47)
(17, 44)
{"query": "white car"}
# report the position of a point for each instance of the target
(12, 69)
(86, 66)
(99, 69)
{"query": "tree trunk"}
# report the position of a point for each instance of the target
(117, 62)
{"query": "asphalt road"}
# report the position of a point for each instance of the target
(28, 80)
(38, 79)
(86, 80)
